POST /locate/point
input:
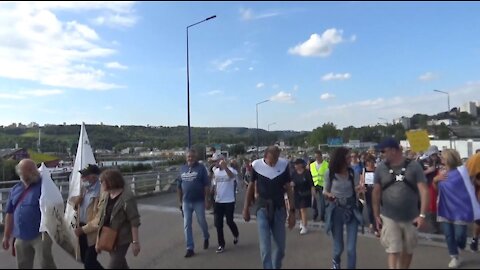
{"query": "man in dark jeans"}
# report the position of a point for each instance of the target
(87, 208)
(318, 169)
(224, 179)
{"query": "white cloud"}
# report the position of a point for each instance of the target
(250, 68)
(295, 88)
(366, 112)
(10, 96)
(42, 92)
(223, 65)
(108, 108)
(115, 65)
(214, 93)
(114, 20)
(275, 86)
(326, 96)
(247, 14)
(283, 97)
(429, 76)
(113, 14)
(331, 76)
(260, 85)
(38, 46)
(353, 38)
(24, 94)
(319, 45)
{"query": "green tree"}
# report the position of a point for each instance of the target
(321, 134)
(465, 119)
(443, 132)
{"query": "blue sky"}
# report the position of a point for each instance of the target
(350, 63)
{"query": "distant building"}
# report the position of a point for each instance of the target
(103, 152)
(470, 108)
(405, 121)
(125, 151)
(32, 125)
(14, 154)
(438, 122)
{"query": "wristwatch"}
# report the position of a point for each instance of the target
(422, 215)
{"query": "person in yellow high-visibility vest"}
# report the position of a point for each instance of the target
(318, 168)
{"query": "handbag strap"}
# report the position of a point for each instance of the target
(22, 197)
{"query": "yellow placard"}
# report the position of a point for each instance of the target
(418, 140)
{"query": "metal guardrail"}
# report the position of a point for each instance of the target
(141, 184)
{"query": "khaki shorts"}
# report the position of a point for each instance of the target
(398, 236)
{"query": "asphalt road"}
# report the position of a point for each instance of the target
(163, 246)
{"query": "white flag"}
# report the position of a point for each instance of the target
(83, 158)
(51, 208)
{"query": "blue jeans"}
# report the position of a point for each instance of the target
(272, 257)
(338, 221)
(455, 236)
(188, 209)
(319, 207)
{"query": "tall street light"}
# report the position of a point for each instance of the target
(384, 119)
(271, 124)
(188, 84)
(386, 125)
(267, 100)
(448, 112)
(448, 98)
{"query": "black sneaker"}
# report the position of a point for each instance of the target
(235, 240)
(205, 244)
(474, 245)
(189, 254)
(220, 249)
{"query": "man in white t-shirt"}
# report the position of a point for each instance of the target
(224, 180)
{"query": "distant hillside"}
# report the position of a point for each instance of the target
(59, 138)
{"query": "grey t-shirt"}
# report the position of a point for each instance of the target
(341, 186)
(399, 201)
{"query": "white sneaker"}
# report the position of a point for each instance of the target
(455, 262)
(303, 231)
(300, 227)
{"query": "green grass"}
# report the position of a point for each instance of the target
(39, 157)
(30, 134)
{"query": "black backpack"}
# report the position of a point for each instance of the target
(401, 177)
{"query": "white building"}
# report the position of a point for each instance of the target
(405, 121)
(465, 148)
(32, 125)
(438, 122)
(470, 108)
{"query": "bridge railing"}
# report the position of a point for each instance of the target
(140, 183)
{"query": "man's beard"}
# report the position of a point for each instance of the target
(31, 179)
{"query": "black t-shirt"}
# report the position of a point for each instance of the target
(271, 180)
(303, 183)
(108, 211)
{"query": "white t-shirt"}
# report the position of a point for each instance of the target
(369, 177)
(224, 185)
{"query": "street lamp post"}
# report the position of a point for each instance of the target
(386, 125)
(271, 124)
(188, 84)
(267, 100)
(448, 112)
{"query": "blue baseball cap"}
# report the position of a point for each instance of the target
(388, 143)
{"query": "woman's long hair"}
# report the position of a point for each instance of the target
(338, 161)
